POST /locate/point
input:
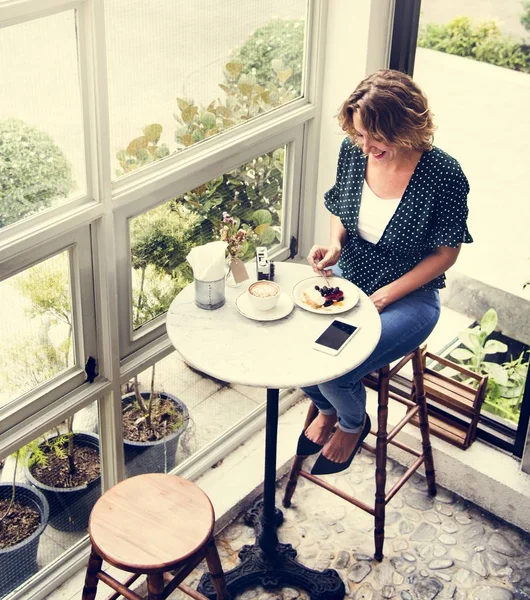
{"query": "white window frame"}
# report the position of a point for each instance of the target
(78, 246)
(36, 228)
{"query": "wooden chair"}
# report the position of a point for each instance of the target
(417, 408)
(152, 524)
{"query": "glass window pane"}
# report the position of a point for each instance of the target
(162, 237)
(180, 72)
(54, 481)
(473, 63)
(37, 338)
(42, 156)
(476, 52)
(189, 411)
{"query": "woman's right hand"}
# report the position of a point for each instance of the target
(320, 257)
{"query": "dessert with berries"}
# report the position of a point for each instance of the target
(323, 297)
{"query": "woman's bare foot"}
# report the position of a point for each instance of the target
(320, 428)
(341, 445)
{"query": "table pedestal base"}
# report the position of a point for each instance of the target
(275, 568)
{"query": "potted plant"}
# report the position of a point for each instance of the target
(485, 351)
(24, 515)
(153, 422)
(65, 467)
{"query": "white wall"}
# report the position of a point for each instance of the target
(356, 44)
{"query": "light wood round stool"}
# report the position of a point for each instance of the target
(149, 525)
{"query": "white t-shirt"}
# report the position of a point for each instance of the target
(374, 214)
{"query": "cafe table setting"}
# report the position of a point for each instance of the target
(263, 334)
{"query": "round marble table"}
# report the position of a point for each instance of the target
(270, 354)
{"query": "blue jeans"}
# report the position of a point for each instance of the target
(405, 325)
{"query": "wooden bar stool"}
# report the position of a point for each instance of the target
(149, 525)
(416, 406)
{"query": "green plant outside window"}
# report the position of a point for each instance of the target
(38, 343)
(506, 382)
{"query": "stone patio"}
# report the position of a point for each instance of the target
(442, 547)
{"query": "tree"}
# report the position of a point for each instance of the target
(33, 171)
(46, 350)
(160, 242)
(47, 287)
(525, 17)
(281, 41)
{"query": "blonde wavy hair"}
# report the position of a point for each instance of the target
(392, 109)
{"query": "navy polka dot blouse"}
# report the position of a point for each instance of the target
(432, 213)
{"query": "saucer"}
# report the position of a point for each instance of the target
(282, 309)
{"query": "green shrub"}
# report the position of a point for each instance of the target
(481, 41)
(33, 171)
(159, 237)
(263, 74)
(279, 40)
(253, 192)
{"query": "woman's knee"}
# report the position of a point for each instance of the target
(405, 326)
(347, 386)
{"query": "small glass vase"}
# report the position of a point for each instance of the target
(230, 281)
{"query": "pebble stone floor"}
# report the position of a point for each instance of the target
(443, 547)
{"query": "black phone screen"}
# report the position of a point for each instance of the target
(336, 335)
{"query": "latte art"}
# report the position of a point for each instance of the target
(264, 294)
(264, 289)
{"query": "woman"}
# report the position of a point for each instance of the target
(398, 218)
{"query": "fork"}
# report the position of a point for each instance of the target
(325, 278)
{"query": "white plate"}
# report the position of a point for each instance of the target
(351, 294)
(282, 309)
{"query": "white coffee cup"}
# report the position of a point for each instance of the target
(264, 295)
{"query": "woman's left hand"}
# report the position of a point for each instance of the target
(380, 298)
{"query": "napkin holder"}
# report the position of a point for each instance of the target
(208, 264)
(210, 294)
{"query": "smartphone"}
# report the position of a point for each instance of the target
(333, 339)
